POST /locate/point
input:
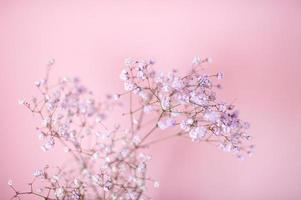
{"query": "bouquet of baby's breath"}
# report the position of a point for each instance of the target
(110, 161)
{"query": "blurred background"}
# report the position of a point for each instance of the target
(256, 44)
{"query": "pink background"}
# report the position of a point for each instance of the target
(257, 45)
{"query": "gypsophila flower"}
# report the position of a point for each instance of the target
(220, 75)
(38, 173)
(10, 182)
(108, 161)
(51, 62)
(156, 184)
(166, 123)
(21, 101)
(186, 124)
(197, 133)
(212, 116)
(59, 193)
(196, 60)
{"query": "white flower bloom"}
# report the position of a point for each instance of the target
(177, 83)
(21, 102)
(136, 140)
(222, 107)
(128, 86)
(141, 167)
(96, 179)
(220, 75)
(186, 124)
(128, 62)
(10, 182)
(116, 97)
(196, 60)
(169, 122)
(48, 145)
(38, 173)
(141, 75)
(165, 102)
(95, 156)
(124, 75)
(37, 83)
(156, 184)
(145, 95)
(59, 193)
(197, 133)
(212, 116)
(148, 108)
(51, 62)
(41, 136)
(77, 182)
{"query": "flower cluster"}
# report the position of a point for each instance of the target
(188, 103)
(109, 162)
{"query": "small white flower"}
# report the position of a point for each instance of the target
(48, 145)
(51, 62)
(212, 116)
(107, 159)
(128, 62)
(59, 193)
(38, 173)
(141, 167)
(128, 85)
(41, 136)
(135, 121)
(145, 95)
(169, 122)
(66, 149)
(96, 179)
(165, 102)
(197, 133)
(95, 156)
(136, 140)
(196, 60)
(37, 83)
(177, 83)
(116, 97)
(220, 75)
(141, 75)
(148, 108)
(77, 182)
(98, 119)
(10, 182)
(186, 124)
(156, 184)
(124, 75)
(21, 102)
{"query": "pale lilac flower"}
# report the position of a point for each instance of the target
(38, 173)
(148, 108)
(165, 102)
(220, 75)
(196, 60)
(186, 124)
(212, 116)
(197, 133)
(167, 123)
